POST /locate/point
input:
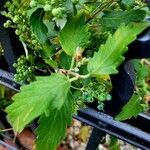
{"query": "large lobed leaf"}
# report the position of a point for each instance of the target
(75, 34)
(110, 55)
(131, 109)
(34, 99)
(52, 129)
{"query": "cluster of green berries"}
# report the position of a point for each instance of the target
(55, 7)
(96, 91)
(24, 70)
(18, 19)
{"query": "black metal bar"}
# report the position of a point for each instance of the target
(123, 131)
(6, 79)
(7, 145)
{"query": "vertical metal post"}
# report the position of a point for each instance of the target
(95, 139)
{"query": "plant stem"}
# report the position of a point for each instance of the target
(74, 9)
(72, 63)
(80, 89)
(99, 9)
(25, 49)
(79, 77)
(5, 130)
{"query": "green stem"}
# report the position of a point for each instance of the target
(74, 9)
(25, 49)
(79, 77)
(80, 89)
(99, 9)
(5, 130)
(72, 64)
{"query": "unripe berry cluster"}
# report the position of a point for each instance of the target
(96, 91)
(55, 7)
(18, 19)
(24, 70)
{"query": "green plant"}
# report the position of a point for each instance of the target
(78, 44)
(1, 50)
(5, 96)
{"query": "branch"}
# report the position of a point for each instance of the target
(76, 76)
(99, 9)
(25, 49)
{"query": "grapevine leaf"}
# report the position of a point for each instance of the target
(113, 19)
(109, 56)
(131, 109)
(34, 99)
(38, 27)
(55, 126)
(75, 34)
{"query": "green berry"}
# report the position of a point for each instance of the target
(16, 19)
(14, 65)
(34, 42)
(11, 7)
(108, 97)
(24, 13)
(100, 107)
(58, 12)
(17, 32)
(102, 97)
(101, 88)
(8, 22)
(24, 28)
(47, 7)
(8, 4)
(33, 3)
(6, 25)
(53, 2)
(55, 12)
(89, 100)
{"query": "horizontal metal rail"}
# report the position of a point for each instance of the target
(7, 80)
(7, 145)
(123, 131)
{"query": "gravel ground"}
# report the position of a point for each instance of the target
(76, 139)
(78, 136)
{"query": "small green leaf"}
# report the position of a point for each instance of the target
(113, 19)
(75, 34)
(38, 27)
(131, 109)
(65, 61)
(47, 50)
(34, 99)
(52, 129)
(127, 3)
(52, 63)
(142, 71)
(114, 144)
(51, 28)
(110, 55)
